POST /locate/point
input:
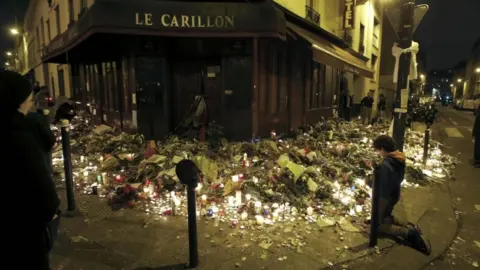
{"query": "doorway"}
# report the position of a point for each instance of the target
(192, 79)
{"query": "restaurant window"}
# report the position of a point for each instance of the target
(282, 97)
(57, 18)
(49, 35)
(274, 71)
(88, 84)
(109, 70)
(317, 86)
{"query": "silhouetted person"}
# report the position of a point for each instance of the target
(30, 221)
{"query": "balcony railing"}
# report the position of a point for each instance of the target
(312, 15)
(348, 38)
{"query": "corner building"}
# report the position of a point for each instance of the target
(260, 65)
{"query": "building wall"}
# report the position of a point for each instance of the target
(367, 13)
(39, 14)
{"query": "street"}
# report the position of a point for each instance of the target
(453, 128)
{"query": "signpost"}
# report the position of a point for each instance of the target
(404, 20)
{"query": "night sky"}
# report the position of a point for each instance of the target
(447, 32)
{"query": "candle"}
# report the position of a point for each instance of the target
(235, 178)
(82, 158)
(259, 219)
(244, 215)
(244, 156)
(258, 207)
(217, 221)
(248, 197)
(247, 163)
(146, 189)
(309, 211)
(275, 216)
(204, 198)
(231, 201)
(330, 135)
(238, 197)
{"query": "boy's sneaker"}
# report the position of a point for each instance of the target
(419, 242)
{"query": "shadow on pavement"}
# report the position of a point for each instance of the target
(166, 267)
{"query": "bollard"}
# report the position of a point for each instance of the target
(426, 143)
(67, 165)
(374, 218)
(187, 172)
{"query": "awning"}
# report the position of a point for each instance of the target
(329, 54)
(171, 18)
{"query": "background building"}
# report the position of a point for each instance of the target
(141, 65)
(457, 83)
(472, 73)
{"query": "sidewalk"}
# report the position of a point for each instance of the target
(130, 239)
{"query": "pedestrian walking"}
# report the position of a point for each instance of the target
(381, 107)
(40, 128)
(475, 138)
(30, 213)
(367, 103)
(390, 174)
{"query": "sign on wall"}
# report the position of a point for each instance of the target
(349, 14)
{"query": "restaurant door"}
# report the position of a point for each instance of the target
(193, 79)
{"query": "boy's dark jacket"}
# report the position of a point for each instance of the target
(391, 172)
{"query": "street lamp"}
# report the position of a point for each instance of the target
(477, 70)
(422, 76)
(459, 80)
(9, 53)
(14, 31)
(451, 85)
(7, 64)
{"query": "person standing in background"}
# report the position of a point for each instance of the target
(367, 104)
(381, 107)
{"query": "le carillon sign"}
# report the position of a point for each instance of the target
(185, 21)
